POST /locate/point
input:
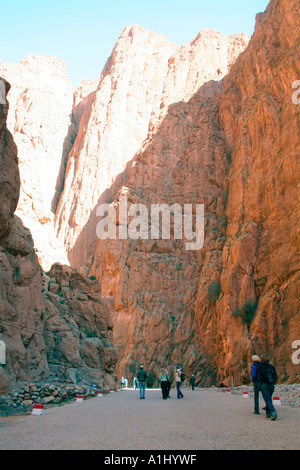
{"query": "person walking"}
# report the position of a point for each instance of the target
(164, 383)
(135, 383)
(256, 384)
(192, 382)
(169, 384)
(142, 376)
(178, 383)
(267, 376)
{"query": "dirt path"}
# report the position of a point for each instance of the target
(121, 421)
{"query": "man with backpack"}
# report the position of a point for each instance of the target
(266, 375)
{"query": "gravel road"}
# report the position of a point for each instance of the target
(121, 421)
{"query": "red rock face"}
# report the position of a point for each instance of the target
(202, 124)
(153, 284)
(261, 253)
(234, 150)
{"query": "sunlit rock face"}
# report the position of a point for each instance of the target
(40, 120)
(149, 134)
(143, 76)
(232, 146)
(210, 123)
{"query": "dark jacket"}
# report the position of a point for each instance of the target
(192, 380)
(142, 375)
(266, 374)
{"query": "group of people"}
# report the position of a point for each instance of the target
(124, 382)
(165, 383)
(264, 378)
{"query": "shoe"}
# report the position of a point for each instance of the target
(256, 412)
(273, 416)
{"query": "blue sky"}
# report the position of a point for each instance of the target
(83, 33)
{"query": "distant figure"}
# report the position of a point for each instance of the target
(164, 383)
(2, 345)
(266, 375)
(192, 382)
(135, 383)
(122, 382)
(169, 384)
(142, 376)
(256, 384)
(178, 383)
(126, 382)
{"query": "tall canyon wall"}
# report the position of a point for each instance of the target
(40, 120)
(230, 144)
(144, 74)
(55, 326)
(211, 123)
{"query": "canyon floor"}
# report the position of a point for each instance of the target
(203, 420)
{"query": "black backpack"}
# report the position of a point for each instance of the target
(182, 377)
(266, 374)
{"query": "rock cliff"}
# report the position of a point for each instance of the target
(261, 253)
(55, 326)
(211, 123)
(143, 76)
(232, 146)
(9, 177)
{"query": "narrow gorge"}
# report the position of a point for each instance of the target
(212, 122)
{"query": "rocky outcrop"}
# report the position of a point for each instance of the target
(9, 177)
(9, 195)
(54, 326)
(21, 303)
(77, 329)
(143, 76)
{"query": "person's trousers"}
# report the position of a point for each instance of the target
(179, 392)
(267, 391)
(169, 387)
(142, 389)
(256, 397)
(164, 389)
